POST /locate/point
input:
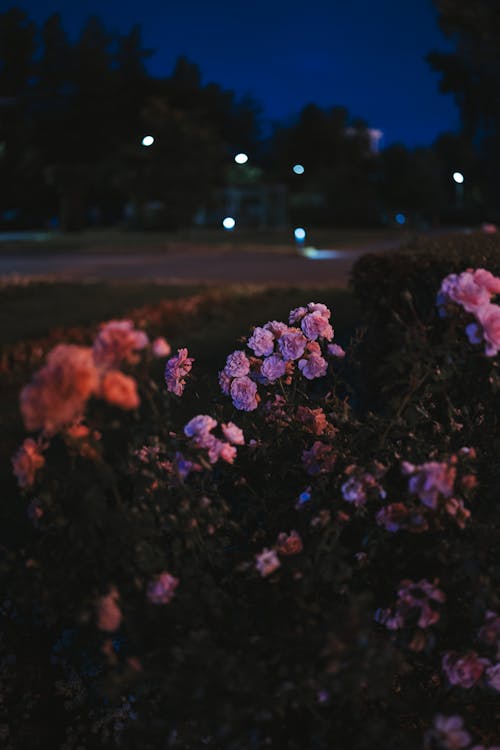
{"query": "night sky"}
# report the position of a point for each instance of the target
(363, 55)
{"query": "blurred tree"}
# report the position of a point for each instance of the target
(471, 72)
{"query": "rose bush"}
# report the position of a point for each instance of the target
(289, 570)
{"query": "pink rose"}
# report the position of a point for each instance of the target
(118, 341)
(233, 434)
(162, 589)
(489, 317)
(315, 366)
(244, 394)
(261, 342)
(120, 390)
(273, 367)
(161, 347)
(292, 344)
(316, 325)
(109, 615)
(26, 462)
(464, 671)
(237, 365)
(267, 562)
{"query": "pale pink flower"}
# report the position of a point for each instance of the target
(292, 344)
(296, 315)
(397, 516)
(489, 317)
(161, 347)
(273, 367)
(449, 732)
(26, 462)
(119, 390)
(162, 589)
(316, 325)
(493, 676)
(354, 491)
(334, 350)
(108, 612)
(485, 278)
(176, 370)
(237, 365)
(224, 383)
(464, 671)
(463, 290)
(59, 391)
(261, 342)
(200, 425)
(430, 481)
(289, 544)
(267, 562)
(313, 420)
(276, 327)
(118, 341)
(420, 597)
(315, 366)
(319, 459)
(225, 451)
(490, 631)
(244, 394)
(233, 433)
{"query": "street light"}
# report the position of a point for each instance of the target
(458, 177)
(300, 235)
(148, 140)
(229, 223)
(241, 158)
(298, 169)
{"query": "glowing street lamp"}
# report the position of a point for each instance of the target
(228, 223)
(148, 140)
(241, 158)
(458, 177)
(300, 234)
(298, 169)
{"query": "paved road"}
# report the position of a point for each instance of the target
(197, 265)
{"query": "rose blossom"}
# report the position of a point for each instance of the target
(59, 391)
(176, 370)
(224, 383)
(261, 342)
(120, 390)
(273, 367)
(316, 325)
(267, 562)
(490, 631)
(161, 347)
(199, 426)
(449, 732)
(484, 278)
(109, 615)
(292, 344)
(233, 433)
(463, 290)
(296, 315)
(118, 341)
(430, 480)
(237, 365)
(489, 317)
(289, 544)
(334, 350)
(26, 462)
(464, 671)
(276, 327)
(313, 420)
(244, 394)
(162, 589)
(493, 676)
(313, 367)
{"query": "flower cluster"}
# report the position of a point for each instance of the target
(416, 600)
(278, 351)
(176, 369)
(434, 485)
(199, 430)
(473, 290)
(363, 484)
(470, 669)
(287, 545)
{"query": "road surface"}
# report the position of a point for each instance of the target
(195, 265)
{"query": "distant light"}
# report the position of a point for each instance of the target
(229, 223)
(298, 169)
(241, 158)
(300, 234)
(458, 177)
(400, 219)
(148, 140)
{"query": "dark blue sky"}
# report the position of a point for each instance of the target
(366, 56)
